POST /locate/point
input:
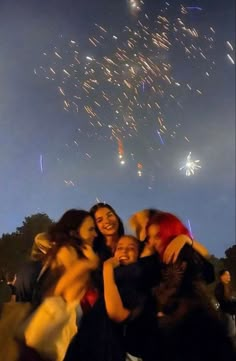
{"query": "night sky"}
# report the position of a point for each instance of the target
(56, 155)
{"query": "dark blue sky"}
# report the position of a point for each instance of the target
(33, 123)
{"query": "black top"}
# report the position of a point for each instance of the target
(227, 303)
(26, 281)
(5, 292)
(183, 279)
(99, 338)
(190, 329)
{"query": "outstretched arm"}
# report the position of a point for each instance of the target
(114, 305)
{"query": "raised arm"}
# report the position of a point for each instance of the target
(172, 251)
(114, 305)
(74, 280)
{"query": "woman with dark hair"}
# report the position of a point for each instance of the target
(109, 228)
(64, 284)
(96, 326)
(69, 238)
(76, 227)
(75, 223)
(227, 303)
(188, 321)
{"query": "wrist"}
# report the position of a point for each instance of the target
(108, 268)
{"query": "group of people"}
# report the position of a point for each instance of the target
(98, 294)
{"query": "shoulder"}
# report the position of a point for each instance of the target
(198, 266)
(66, 255)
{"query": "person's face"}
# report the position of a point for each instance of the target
(154, 240)
(126, 251)
(87, 231)
(106, 222)
(226, 278)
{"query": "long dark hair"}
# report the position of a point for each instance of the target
(65, 231)
(228, 292)
(100, 243)
(62, 233)
(98, 206)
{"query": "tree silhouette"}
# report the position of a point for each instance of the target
(15, 248)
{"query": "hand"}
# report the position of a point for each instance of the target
(160, 314)
(91, 256)
(113, 262)
(173, 249)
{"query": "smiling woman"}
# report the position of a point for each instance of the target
(127, 250)
(109, 228)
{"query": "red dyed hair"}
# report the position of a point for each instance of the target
(170, 227)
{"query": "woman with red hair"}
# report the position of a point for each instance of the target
(162, 228)
(186, 317)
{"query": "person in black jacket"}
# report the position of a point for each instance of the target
(227, 304)
(26, 278)
(5, 290)
(190, 328)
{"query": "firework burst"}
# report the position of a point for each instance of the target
(190, 166)
(125, 83)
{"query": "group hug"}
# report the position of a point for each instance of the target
(91, 292)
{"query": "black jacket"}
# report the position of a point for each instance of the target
(26, 281)
(227, 304)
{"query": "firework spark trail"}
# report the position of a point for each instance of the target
(161, 139)
(41, 162)
(126, 72)
(231, 59)
(129, 76)
(230, 45)
(190, 228)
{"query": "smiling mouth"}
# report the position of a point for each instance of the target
(123, 258)
(109, 227)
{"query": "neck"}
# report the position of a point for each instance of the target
(111, 241)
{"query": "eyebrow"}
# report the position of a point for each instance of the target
(100, 217)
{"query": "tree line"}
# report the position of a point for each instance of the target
(15, 247)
